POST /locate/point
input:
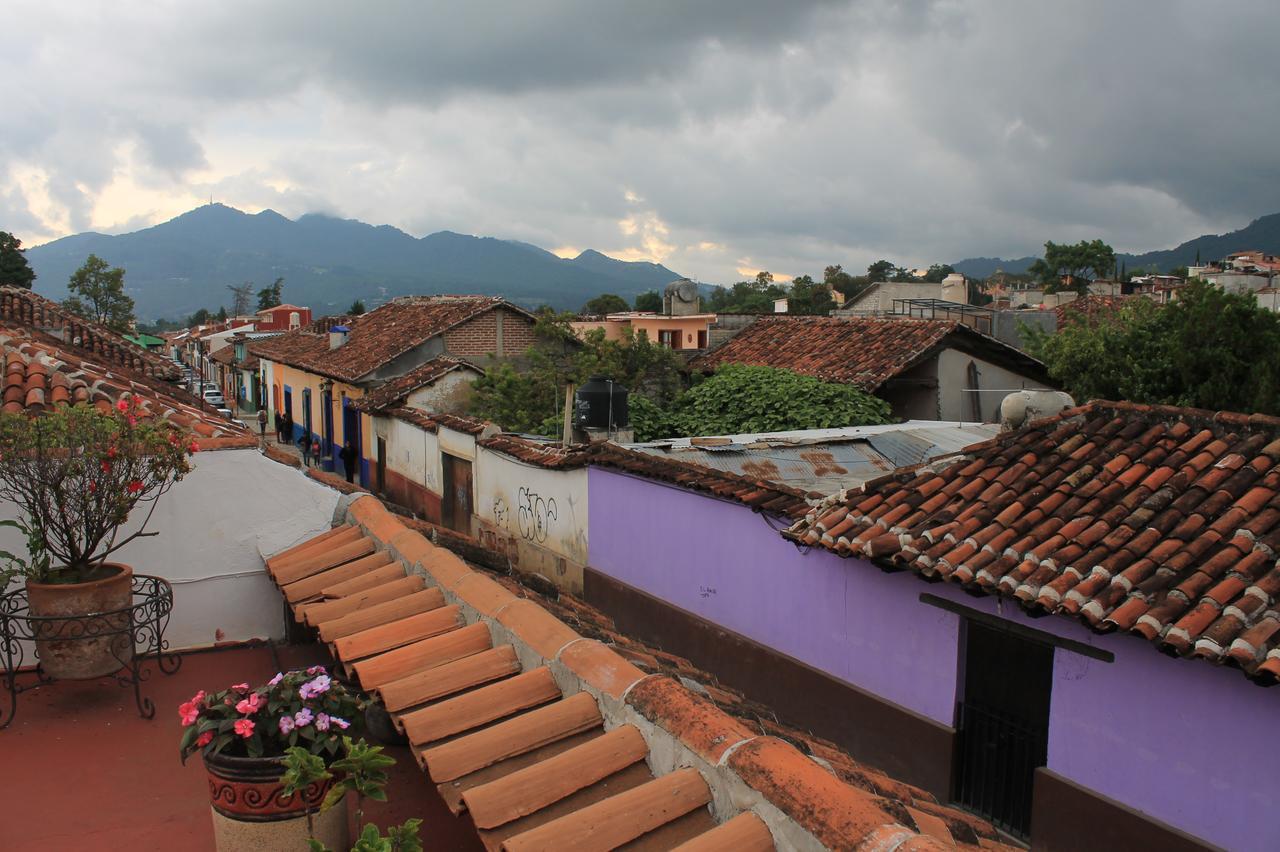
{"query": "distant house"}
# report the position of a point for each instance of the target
(317, 372)
(925, 369)
(282, 318)
(680, 325)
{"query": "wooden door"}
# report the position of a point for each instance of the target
(455, 508)
(382, 465)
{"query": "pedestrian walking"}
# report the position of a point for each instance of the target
(348, 456)
(304, 443)
(315, 452)
(262, 423)
(287, 422)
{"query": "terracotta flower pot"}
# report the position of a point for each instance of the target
(251, 811)
(81, 647)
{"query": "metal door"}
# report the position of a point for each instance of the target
(1002, 725)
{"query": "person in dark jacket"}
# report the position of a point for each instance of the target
(286, 423)
(348, 456)
(279, 420)
(304, 443)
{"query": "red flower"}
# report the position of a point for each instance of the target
(194, 446)
(244, 727)
(106, 466)
(122, 405)
(204, 739)
(135, 486)
(111, 452)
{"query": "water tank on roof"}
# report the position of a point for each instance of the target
(601, 403)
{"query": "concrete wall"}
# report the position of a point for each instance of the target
(413, 466)
(994, 381)
(1144, 730)
(215, 526)
(537, 517)
(446, 394)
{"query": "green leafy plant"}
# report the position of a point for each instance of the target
(303, 708)
(301, 770)
(739, 398)
(76, 474)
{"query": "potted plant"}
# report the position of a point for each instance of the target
(76, 474)
(243, 734)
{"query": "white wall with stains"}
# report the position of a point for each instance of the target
(537, 516)
(215, 527)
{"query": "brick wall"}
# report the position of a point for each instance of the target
(479, 336)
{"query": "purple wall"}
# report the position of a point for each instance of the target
(725, 563)
(1187, 743)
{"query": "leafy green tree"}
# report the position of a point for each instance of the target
(269, 297)
(809, 298)
(357, 308)
(937, 272)
(745, 297)
(222, 314)
(1209, 349)
(739, 398)
(200, 317)
(880, 271)
(606, 303)
(650, 301)
(527, 394)
(14, 269)
(850, 285)
(1073, 266)
(98, 295)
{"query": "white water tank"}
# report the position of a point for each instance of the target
(1022, 407)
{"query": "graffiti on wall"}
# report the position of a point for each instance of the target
(534, 514)
(500, 512)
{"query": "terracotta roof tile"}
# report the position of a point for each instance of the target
(1150, 519)
(534, 766)
(374, 338)
(858, 351)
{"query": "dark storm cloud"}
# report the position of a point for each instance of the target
(719, 134)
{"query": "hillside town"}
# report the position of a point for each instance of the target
(564, 630)
(587, 427)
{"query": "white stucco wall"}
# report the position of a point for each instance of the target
(994, 381)
(537, 516)
(412, 452)
(457, 444)
(215, 526)
(446, 394)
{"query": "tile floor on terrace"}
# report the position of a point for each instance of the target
(80, 770)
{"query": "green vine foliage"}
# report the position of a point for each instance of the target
(1209, 349)
(739, 398)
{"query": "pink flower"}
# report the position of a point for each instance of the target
(122, 405)
(315, 670)
(341, 723)
(250, 705)
(302, 717)
(190, 712)
(244, 727)
(279, 677)
(322, 721)
(311, 689)
(241, 687)
(286, 724)
(204, 739)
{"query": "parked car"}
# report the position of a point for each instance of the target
(214, 398)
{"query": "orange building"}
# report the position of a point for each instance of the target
(689, 331)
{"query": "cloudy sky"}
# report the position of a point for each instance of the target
(716, 136)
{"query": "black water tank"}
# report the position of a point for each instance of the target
(601, 404)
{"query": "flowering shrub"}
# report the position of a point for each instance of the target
(76, 474)
(303, 708)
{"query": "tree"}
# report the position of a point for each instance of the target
(14, 270)
(764, 280)
(241, 295)
(809, 298)
(357, 308)
(937, 272)
(1066, 266)
(738, 398)
(222, 314)
(98, 295)
(650, 301)
(527, 394)
(604, 304)
(745, 297)
(269, 297)
(850, 285)
(1209, 349)
(880, 271)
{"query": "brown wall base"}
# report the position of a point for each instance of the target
(413, 496)
(901, 743)
(1066, 817)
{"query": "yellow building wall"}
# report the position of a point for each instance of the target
(282, 376)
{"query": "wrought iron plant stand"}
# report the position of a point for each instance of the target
(138, 628)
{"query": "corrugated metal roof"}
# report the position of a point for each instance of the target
(824, 460)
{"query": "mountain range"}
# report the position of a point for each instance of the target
(1262, 234)
(179, 266)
